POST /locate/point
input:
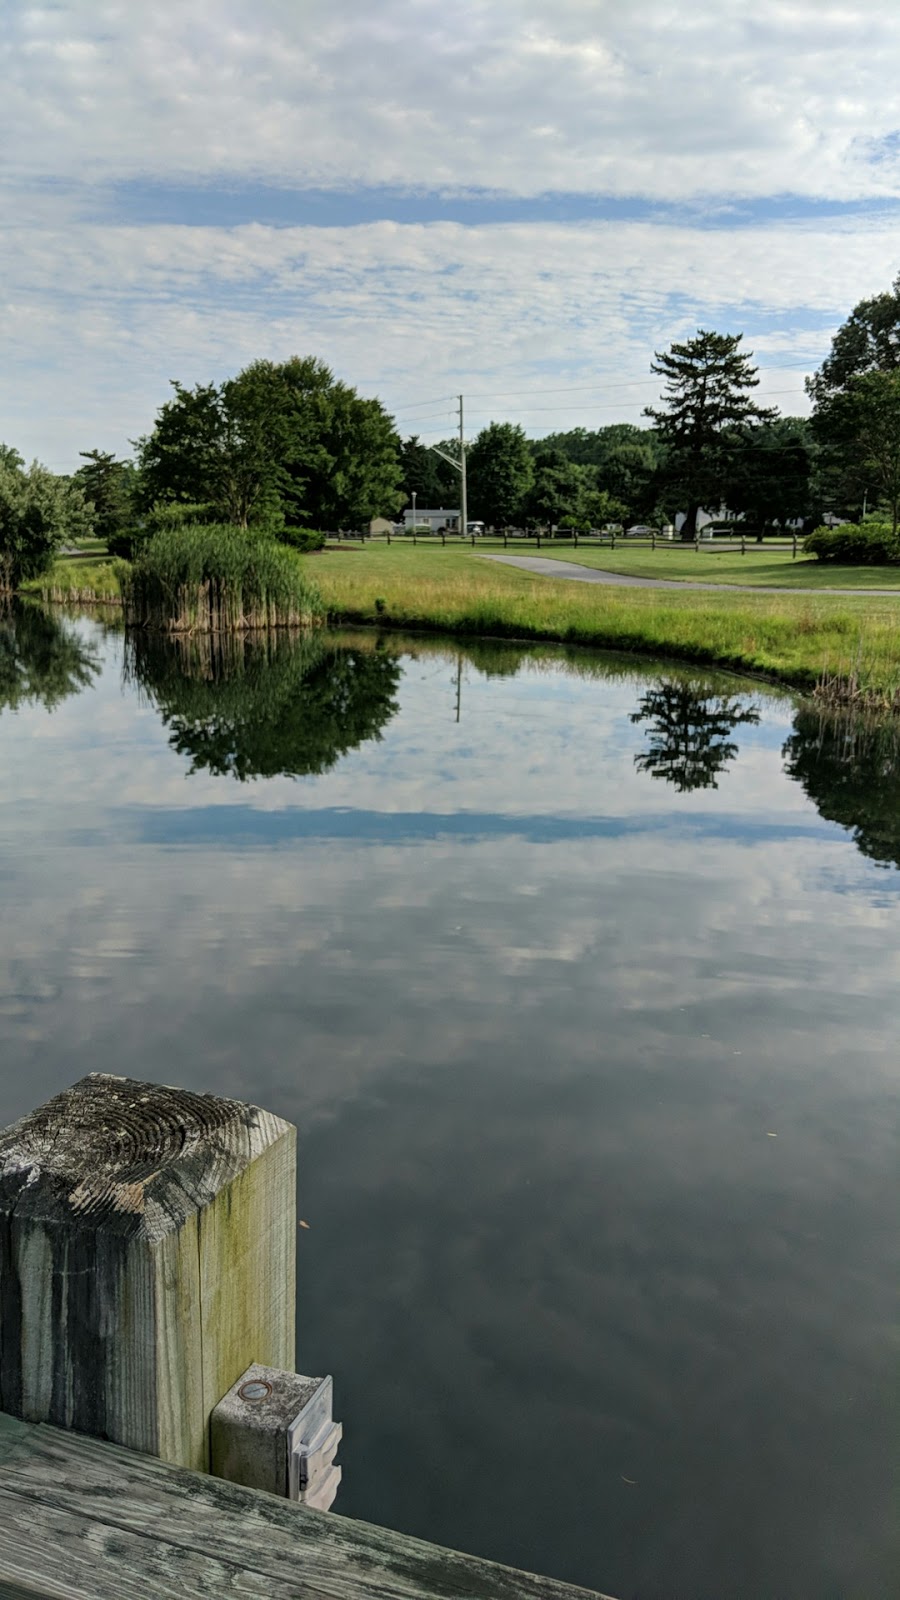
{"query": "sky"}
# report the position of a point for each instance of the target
(508, 199)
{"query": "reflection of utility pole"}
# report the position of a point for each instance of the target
(460, 467)
(458, 686)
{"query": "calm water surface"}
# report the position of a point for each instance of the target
(580, 979)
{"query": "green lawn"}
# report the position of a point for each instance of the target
(766, 568)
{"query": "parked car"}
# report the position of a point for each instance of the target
(640, 530)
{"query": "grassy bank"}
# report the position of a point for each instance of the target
(793, 638)
(78, 582)
(759, 567)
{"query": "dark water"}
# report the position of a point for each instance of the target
(539, 955)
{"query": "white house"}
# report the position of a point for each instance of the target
(434, 520)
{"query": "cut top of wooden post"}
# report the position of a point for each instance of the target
(147, 1248)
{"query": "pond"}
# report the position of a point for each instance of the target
(580, 979)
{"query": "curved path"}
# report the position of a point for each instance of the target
(578, 574)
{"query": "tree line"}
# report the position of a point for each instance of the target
(287, 448)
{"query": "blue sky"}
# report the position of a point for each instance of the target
(506, 199)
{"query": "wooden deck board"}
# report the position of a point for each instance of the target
(84, 1520)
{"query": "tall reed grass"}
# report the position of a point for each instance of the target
(215, 578)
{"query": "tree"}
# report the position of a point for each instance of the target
(282, 445)
(769, 478)
(859, 427)
(706, 405)
(425, 475)
(558, 491)
(690, 723)
(37, 511)
(499, 473)
(108, 485)
(869, 341)
(625, 459)
(851, 416)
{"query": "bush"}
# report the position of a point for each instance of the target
(302, 539)
(163, 514)
(203, 577)
(873, 545)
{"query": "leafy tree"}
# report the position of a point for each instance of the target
(108, 484)
(558, 492)
(427, 475)
(851, 418)
(869, 341)
(770, 474)
(281, 445)
(499, 473)
(37, 511)
(42, 659)
(626, 460)
(860, 429)
(261, 706)
(705, 407)
(689, 726)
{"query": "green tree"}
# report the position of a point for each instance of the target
(426, 475)
(108, 484)
(705, 408)
(869, 341)
(845, 413)
(859, 427)
(689, 724)
(769, 478)
(557, 494)
(38, 510)
(499, 473)
(625, 459)
(280, 446)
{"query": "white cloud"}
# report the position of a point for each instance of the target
(589, 95)
(547, 324)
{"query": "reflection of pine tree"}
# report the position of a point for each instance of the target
(688, 734)
(849, 766)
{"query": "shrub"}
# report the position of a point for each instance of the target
(303, 539)
(871, 545)
(206, 577)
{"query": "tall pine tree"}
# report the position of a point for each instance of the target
(705, 408)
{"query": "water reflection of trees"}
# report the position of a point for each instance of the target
(849, 766)
(259, 706)
(689, 723)
(42, 659)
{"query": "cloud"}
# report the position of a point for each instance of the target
(547, 324)
(593, 96)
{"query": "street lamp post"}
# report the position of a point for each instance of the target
(414, 512)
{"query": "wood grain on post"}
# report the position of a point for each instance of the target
(147, 1257)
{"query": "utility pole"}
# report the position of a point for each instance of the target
(460, 466)
(464, 510)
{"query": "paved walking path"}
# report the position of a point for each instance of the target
(578, 574)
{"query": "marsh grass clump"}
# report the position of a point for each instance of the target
(213, 578)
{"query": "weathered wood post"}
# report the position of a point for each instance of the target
(147, 1259)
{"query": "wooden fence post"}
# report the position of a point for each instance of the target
(794, 548)
(612, 540)
(147, 1259)
(743, 544)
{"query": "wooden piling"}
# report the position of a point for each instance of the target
(147, 1258)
